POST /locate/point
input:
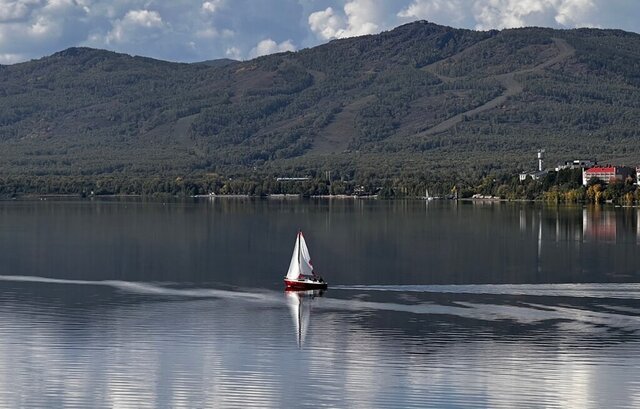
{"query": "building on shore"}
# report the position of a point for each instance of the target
(286, 179)
(536, 174)
(577, 164)
(608, 174)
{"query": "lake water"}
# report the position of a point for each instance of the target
(113, 303)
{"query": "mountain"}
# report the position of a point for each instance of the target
(220, 62)
(421, 100)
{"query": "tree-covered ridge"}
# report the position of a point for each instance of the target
(421, 101)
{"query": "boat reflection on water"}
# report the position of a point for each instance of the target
(299, 303)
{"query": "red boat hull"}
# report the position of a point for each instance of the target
(304, 284)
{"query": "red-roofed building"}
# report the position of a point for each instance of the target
(607, 174)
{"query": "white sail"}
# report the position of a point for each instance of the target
(300, 260)
(294, 266)
(305, 259)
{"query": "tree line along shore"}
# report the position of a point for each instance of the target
(564, 186)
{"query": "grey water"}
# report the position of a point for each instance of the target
(133, 303)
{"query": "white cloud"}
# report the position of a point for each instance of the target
(234, 53)
(136, 25)
(490, 14)
(572, 13)
(363, 17)
(59, 4)
(518, 13)
(37, 27)
(144, 18)
(268, 46)
(15, 9)
(218, 28)
(326, 24)
(211, 6)
(43, 27)
(360, 17)
(451, 12)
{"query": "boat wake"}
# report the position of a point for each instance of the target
(148, 288)
(526, 313)
(627, 291)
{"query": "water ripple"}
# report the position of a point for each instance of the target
(596, 290)
(149, 345)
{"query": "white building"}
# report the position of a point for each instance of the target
(577, 164)
(535, 175)
(608, 174)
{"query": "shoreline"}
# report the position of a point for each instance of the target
(283, 196)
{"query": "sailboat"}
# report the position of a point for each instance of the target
(426, 195)
(300, 275)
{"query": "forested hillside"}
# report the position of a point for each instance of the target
(421, 101)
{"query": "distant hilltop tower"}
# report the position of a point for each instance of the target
(540, 159)
(536, 174)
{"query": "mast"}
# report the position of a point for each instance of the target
(299, 265)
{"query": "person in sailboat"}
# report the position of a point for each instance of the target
(313, 276)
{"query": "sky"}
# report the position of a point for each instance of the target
(197, 30)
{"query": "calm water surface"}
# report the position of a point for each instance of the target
(148, 304)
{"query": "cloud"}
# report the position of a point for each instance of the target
(359, 17)
(11, 58)
(363, 16)
(135, 26)
(196, 30)
(519, 13)
(30, 28)
(571, 13)
(144, 18)
(326, 24)
(11, 10)
(269, 46)
(43, 27)
(15, 10)
(208, 32)
(450, 11)
(211, 6)
(490, 14)
(234, 53)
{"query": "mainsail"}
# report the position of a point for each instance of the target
(300, 260)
